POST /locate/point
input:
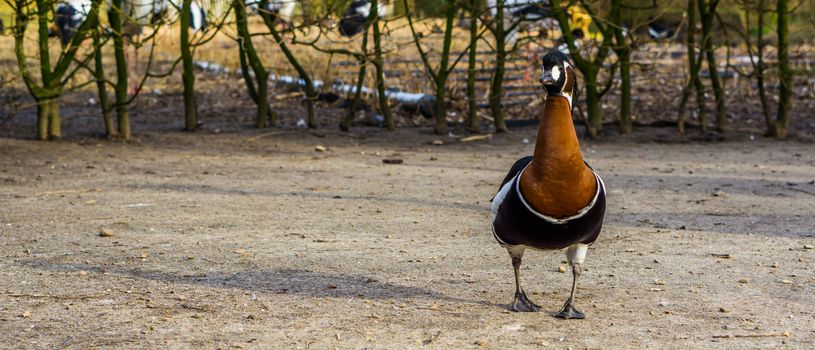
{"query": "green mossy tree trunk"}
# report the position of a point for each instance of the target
(761, 67)
(440, 109)
(53, 78)
(101, 87)
(188, 70)
(48, 121)
(379, 64)
(248, 53)
(497, 82)
(116, 20)
(472, 102)
(440, 74)
(589, 68)
(694, 81)
(707, 12)
(784, 73)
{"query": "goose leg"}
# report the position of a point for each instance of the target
(520, 303)
(575, 255)
(568, 309)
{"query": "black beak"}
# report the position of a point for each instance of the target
(546, 79)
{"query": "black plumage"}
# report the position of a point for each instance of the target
(354, 17)
(68, 19)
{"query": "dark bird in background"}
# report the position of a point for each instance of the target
(553, 199)
(68, 16)
(659, 30)
(354, 17)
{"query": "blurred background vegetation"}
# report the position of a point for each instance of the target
(454, 63)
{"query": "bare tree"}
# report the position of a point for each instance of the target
(439, 74)
(784, 73)
(101, 86)
(188, 73)
(694, 80)
(258, 87)
(707, 12)
(590, 68)
(380, 67)
(472, 102)
(497, 82)
(308, 84)
(624, 46)
(623, 52)
(52, 78)
(756, 52)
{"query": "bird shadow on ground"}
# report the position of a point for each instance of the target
(279, 281)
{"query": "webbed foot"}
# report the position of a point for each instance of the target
(523, 304)
(569, 312)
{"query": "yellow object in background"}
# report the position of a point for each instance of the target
(580, 19)
(6, 16)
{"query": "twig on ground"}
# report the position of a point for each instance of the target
(800, 190)
(61, 192)
(765, 335)
(65, 297)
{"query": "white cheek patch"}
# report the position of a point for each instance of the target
(555, 73)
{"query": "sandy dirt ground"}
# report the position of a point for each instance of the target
(257, 240)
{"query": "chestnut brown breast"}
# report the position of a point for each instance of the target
(557, 182)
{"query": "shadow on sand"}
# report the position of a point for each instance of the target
(280, 281)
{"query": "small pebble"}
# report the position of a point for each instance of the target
(786, 282)
(808, 246)
(105, 233)
(744, 280)
(721, 309)
(320, 148)
(561, 269)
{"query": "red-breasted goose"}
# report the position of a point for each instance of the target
(553, 199)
